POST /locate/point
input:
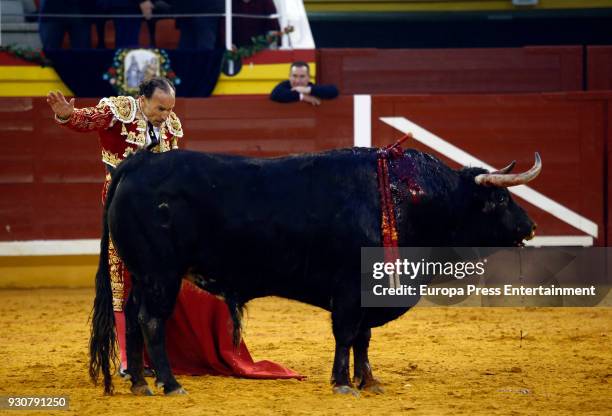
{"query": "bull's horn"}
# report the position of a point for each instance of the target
(510, 179)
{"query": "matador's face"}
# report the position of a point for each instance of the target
(157, 108)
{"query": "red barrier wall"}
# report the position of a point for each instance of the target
(608, 184)
(255, 126)
(569, 131)
(599, 67)
(50, 178)
(491, 70)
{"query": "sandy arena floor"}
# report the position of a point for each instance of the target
(433, 361)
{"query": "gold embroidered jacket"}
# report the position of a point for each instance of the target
(122, 128)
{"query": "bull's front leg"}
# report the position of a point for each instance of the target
(345, 327)
(364, 379)
(340, 372)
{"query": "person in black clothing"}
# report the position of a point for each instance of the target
(245, 28)
(127, 29)
(52, 29)
(198, 32)
(299, 88)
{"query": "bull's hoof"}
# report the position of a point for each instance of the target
(141, 390)
(176, 392)
(345, 390)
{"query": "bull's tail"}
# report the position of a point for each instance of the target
(235, 310)
(102, 341)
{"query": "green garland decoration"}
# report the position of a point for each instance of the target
(260, 43)
(27, 54)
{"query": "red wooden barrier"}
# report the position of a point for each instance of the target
(258, 127)
(599, 68)
(50, 178)
(492, 70)
(608, 183)
(569, 131)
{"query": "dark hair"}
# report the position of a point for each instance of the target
(300, 64)
(148, 87)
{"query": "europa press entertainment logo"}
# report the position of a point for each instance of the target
(499, 276)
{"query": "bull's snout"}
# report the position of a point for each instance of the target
(533, 231)
(525, 232)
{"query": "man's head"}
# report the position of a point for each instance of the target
(299, 74)
(156, 99)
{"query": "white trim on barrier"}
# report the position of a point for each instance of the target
(561, 240)
(362, 120)
(92, 246)
(50, 247)
(465, 159)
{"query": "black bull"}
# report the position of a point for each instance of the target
(292, 227)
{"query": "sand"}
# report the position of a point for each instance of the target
(432, 361)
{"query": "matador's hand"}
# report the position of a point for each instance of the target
(62, 108)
